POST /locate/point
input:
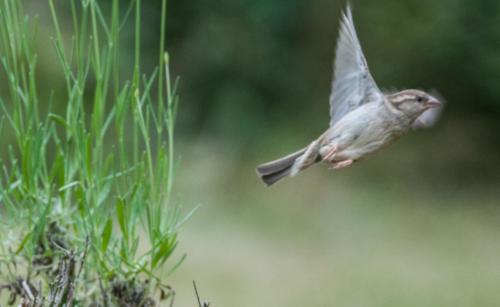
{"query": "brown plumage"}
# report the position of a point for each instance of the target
(363, 119)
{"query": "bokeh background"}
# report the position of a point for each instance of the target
(417, 225)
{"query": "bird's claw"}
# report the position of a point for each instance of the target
(341, 164)
(330, 155)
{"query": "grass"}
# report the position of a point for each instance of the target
(87, 180)
(391, 231)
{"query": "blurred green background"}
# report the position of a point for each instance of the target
(418, 225)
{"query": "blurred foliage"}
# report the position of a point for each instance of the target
(255, 71)
(257, 75)
(264, 61)
(255, 59)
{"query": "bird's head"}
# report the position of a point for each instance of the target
(413, 102)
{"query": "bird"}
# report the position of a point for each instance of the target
(363, 119)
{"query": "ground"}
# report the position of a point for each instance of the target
(325, 239)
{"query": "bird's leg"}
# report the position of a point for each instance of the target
(330, 154)
(342, 164)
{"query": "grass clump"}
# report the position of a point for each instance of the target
(85, 191)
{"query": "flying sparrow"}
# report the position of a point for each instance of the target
(363, 118)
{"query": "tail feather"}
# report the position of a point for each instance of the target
(290, 165)
(275, 170)
(271, 179)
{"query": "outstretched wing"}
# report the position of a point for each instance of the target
(352, 84)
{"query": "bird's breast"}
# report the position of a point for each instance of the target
(364, 137)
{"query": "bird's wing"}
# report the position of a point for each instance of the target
(352, 84)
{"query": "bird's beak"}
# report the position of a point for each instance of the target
(433, 103)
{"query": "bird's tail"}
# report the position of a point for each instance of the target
(273, 171)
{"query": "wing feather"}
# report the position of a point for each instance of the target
(352, 84)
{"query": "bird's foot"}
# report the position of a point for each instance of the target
(342, 164)
(330, 155)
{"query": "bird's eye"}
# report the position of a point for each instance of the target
(420, 98)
